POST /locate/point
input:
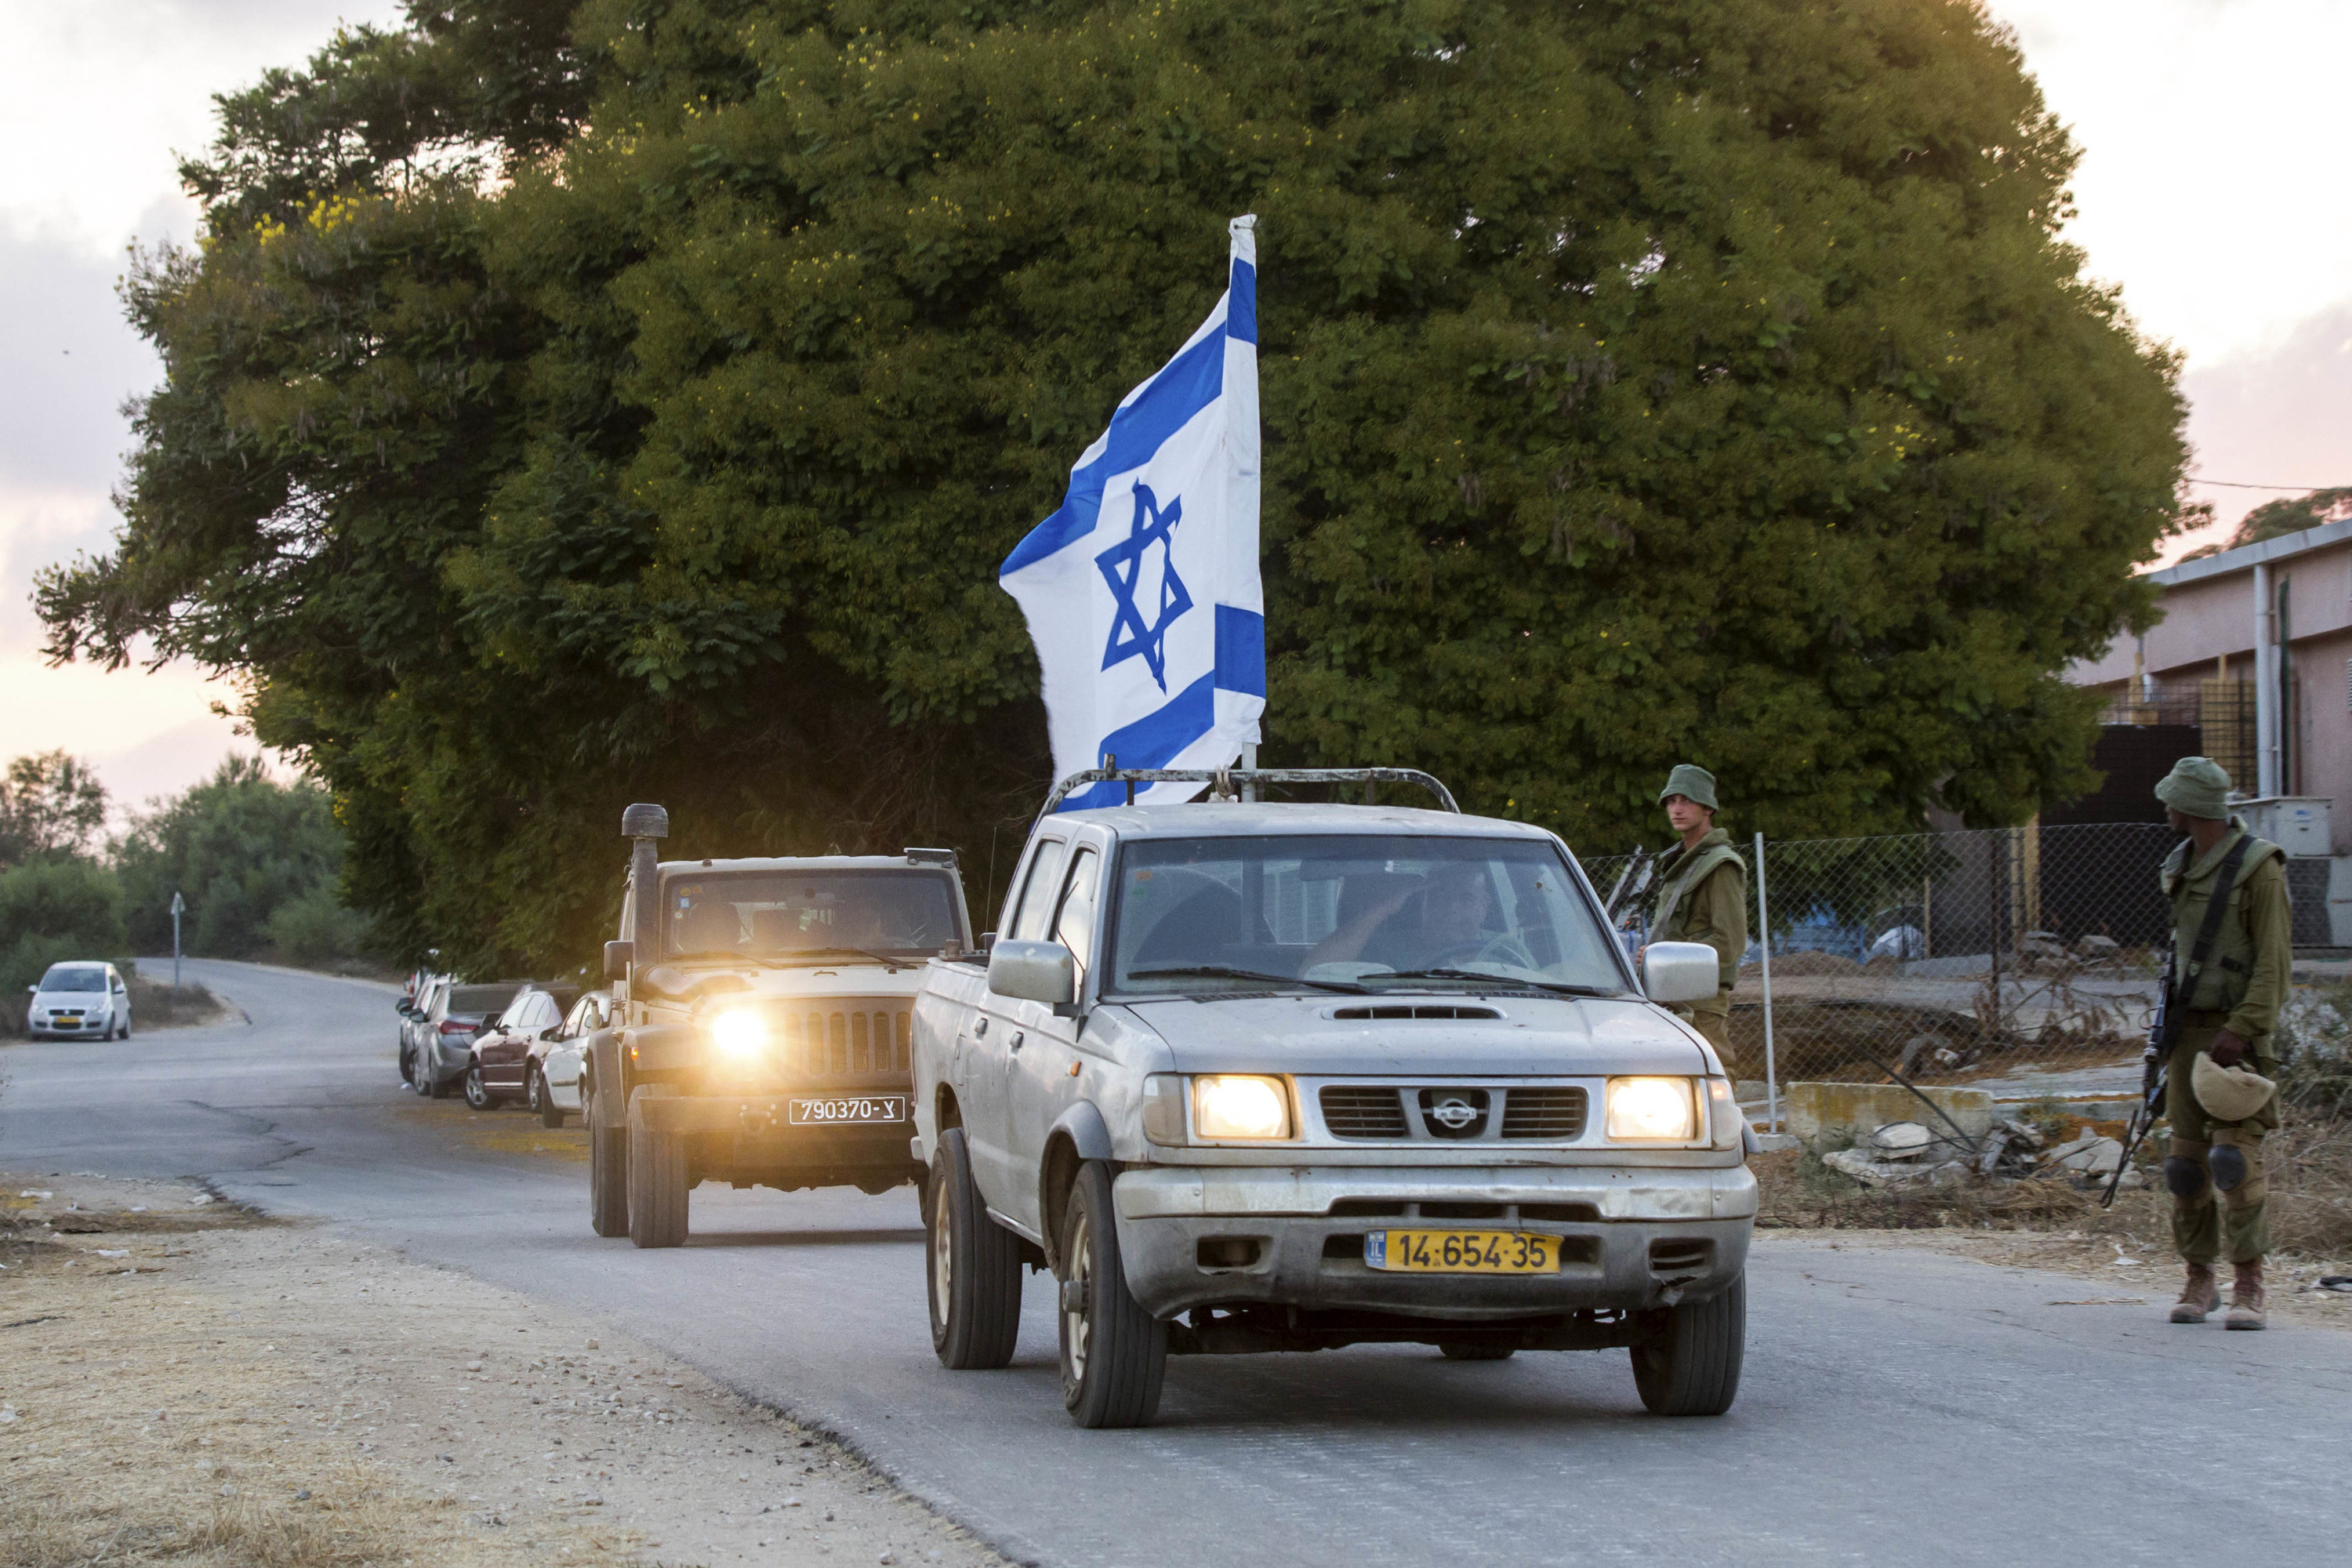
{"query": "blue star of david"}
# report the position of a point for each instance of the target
(1122, 565)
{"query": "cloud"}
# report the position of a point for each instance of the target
(2277, 416)
(2212, 135)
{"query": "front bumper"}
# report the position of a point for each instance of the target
(755, 1132)
(1631, 1238)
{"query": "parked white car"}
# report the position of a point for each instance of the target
(79, 1002)
(551, 1071)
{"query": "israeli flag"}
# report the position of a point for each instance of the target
(1141, 592)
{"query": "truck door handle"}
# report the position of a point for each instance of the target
(978, 1029)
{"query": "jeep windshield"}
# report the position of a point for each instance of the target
(1374, 913)
(808, 917)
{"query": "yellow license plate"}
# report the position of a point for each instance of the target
(1461, 1252)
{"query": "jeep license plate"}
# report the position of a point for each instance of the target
(845, 1110)
(1461, 1252)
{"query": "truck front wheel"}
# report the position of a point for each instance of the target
(1113, 1352)
(1690, 1366)
(656, 1179)
(975, 1266)
(608, 1172)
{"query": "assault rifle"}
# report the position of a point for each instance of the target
(2163, 1033)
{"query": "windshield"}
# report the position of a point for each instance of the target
(1354, 913)
(74, 977)
(775, 914)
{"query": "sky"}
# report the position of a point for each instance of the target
(2211, 130)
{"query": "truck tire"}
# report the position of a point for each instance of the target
(1114, 1354)
(656, 1179)
(608, 1173)
(973, 1267)
(1692, 1366)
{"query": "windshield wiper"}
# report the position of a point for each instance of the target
(1562, 987)
(1227, 972)
(807, 955)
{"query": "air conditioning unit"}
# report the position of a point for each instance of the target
(2295, 823)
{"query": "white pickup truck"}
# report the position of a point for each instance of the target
(1257, 1077)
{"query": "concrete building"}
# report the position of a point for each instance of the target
(2254, 651)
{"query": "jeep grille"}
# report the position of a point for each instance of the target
(860, 1039)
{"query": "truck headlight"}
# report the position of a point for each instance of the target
(1231, 1105)
(1657, 1109)
(738, 1033)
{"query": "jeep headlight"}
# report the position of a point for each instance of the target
(738, 1034)
(1231, 1105)
(1650, 1109)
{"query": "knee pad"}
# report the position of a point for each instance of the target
(2184, 1177)
(2229, 1163)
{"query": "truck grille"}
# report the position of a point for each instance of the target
(1366, 1112)
(1557, 1113)
(861, 1039)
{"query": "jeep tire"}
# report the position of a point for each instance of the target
(657, 1178)
(1690, 1365)
(973, 1272)
(608, 1172)
(1114, 1354)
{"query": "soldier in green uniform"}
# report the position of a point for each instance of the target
(1703, 895)
(2230, 1007)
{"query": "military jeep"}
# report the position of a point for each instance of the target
(761, 1026)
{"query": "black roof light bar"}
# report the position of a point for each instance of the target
(1227, 784)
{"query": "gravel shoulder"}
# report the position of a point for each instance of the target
(182, 1381)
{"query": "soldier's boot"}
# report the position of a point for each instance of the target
(2199, 1296)
(2246, 1297)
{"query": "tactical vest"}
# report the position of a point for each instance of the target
(2222, 985)
(1681, 875)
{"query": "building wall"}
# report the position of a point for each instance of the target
(2208, 612)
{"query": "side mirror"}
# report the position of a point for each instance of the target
(1035, 972)
(1680, 971)
(617, 955)
(32, 990)
(404, 1007)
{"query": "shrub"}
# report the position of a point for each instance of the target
(315, 931)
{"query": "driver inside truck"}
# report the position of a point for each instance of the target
(1430, 923)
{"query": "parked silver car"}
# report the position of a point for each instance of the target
(1255, 1077)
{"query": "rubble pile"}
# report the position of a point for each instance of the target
(1899, 1153)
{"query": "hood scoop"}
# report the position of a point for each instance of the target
(1417, 1010)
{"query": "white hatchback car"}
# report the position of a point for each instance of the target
(79, 1001)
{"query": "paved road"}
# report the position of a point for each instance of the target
(1900, 1406)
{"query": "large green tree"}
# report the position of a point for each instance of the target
(1642, 380)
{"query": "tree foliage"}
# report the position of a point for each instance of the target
(256, 860)
(51, 803)
(1644, 380)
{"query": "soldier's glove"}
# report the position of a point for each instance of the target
(2227, 1050)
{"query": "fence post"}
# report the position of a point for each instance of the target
(1764, 936)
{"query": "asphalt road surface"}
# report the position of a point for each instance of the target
(1900, 1406)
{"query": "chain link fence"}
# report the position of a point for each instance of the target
(2024, 960)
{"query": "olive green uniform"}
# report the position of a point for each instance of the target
(2240, 988)
(1703, 897)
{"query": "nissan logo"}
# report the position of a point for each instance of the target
(1455, 1112)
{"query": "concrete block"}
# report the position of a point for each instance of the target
(1812, 1110)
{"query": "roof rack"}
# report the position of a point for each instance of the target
(1227, 784)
